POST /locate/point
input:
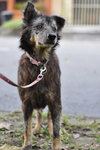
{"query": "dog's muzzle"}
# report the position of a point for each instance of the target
(51, 38)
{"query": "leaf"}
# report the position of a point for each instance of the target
(75, 136)
(6, 147)
(5, 126)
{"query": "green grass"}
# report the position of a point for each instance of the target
(98, 139)
(44, 115)
(2, 118)
(12, 24)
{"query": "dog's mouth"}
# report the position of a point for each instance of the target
(46, 45)
(49, 42)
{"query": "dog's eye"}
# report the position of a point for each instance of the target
(38, 27)
(54, 28)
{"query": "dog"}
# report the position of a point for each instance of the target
(39, 38)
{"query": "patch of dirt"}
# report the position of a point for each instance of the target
(78, 133)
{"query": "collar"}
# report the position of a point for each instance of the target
(33, 61)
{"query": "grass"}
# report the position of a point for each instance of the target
(2, 118)
(87, 139)
(98, 139)
(44, 115)
(12, 24)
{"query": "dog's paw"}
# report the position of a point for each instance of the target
(29, 147)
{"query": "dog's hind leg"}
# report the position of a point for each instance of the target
(38, 121)
(56, 119)
(27, 110)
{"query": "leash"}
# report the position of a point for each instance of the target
(43, 70)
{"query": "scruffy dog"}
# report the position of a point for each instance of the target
(40, 36)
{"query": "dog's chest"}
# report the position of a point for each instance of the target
(43, 92)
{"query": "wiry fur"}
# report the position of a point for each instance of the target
(40, 44)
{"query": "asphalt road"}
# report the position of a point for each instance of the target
(80, 66)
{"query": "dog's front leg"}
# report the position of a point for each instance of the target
(28, 128)
(56, 119)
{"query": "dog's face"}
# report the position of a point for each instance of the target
(44, 31)
(39, 31)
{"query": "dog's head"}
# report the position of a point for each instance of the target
(40, 33)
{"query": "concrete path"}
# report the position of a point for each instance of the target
(79, 59)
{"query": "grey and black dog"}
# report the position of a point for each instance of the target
(40, 36)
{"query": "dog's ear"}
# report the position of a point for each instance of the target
(30, 12)
(59, 21)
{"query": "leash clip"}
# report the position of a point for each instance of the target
(43, 70)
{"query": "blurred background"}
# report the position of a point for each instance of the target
(79, 53)
(76, 12)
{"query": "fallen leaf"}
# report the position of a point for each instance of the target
(75, 136)
(7, 147)
(5, 126)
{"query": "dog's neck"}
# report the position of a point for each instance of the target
(39, 56)
(42, 53)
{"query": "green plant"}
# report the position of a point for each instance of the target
(66, 138)
(44, 115)
(12, 24)
(2, 118)
(80, 118)
(71, 145)
(98, 139)
(20, 6)
(94, 127)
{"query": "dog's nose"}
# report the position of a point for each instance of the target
(52, 37)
